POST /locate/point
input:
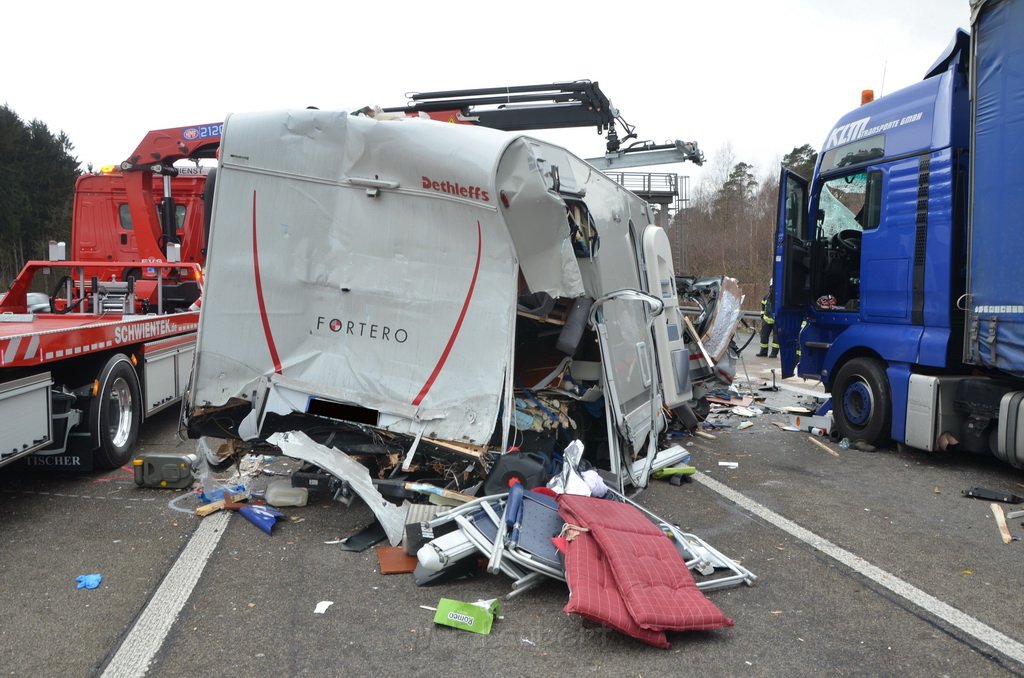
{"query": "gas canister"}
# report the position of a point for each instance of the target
(166, 470)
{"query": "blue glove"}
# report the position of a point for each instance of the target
(88, 581)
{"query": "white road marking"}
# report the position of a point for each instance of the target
(76, 496)
(947, 613)
(147, 636)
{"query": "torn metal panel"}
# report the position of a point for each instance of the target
(726, 318)
(537, 220)
(299, 446)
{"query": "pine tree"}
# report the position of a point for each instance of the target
(37, 183)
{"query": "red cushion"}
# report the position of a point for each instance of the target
(651, 578)
(593, 594)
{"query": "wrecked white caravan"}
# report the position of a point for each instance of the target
(398, 287)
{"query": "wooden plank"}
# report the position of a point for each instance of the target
(214, 506)
(462, 448)
(997, 511)
(823, 446)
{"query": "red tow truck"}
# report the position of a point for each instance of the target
(91, 346)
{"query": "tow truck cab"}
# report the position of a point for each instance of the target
(104, 217)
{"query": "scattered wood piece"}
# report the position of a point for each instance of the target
(697, 340)
(394, 560)
(476, 451)
(823, 446)
(214, 506)
(704, 434)
(438, 495)
(997, 511)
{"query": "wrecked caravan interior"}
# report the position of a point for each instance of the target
(424, 296)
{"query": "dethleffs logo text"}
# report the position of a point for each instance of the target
(457, 189)
(365, 330)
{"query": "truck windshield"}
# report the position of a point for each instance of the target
(841, 205)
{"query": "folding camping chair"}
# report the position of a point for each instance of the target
(699, 555)
(516, 538)
(529, 522)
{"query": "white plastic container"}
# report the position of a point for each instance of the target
(281, 493)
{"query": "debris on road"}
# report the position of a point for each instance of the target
(394, 560)
(88, 581)
(817, 424)
(673, 472)
(281, 493)
(992, 495)
(477, 617)
(322, 606)
(165, 471)
(263, 517)
(232, 501)
(365, 538)
(823, 446)
(300, 446)
(997, 511)
(521, 532)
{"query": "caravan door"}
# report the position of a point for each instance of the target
(622, 322)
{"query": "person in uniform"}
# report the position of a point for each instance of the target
(768, 329)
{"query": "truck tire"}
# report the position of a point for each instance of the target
(862, 402)
(116, 412)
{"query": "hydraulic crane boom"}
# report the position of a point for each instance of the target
(579, 103)
(567, 104)
(156, 154)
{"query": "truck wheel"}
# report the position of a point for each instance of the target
(861, 401)
(116, 412)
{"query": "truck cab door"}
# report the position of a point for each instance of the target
(792, 268)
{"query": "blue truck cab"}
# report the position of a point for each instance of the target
(898, 267)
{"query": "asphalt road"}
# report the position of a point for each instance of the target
(868, 563)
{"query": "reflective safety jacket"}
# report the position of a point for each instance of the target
(766, 309)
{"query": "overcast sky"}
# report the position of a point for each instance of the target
(757, 76)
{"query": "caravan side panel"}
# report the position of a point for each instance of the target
(350, 262)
